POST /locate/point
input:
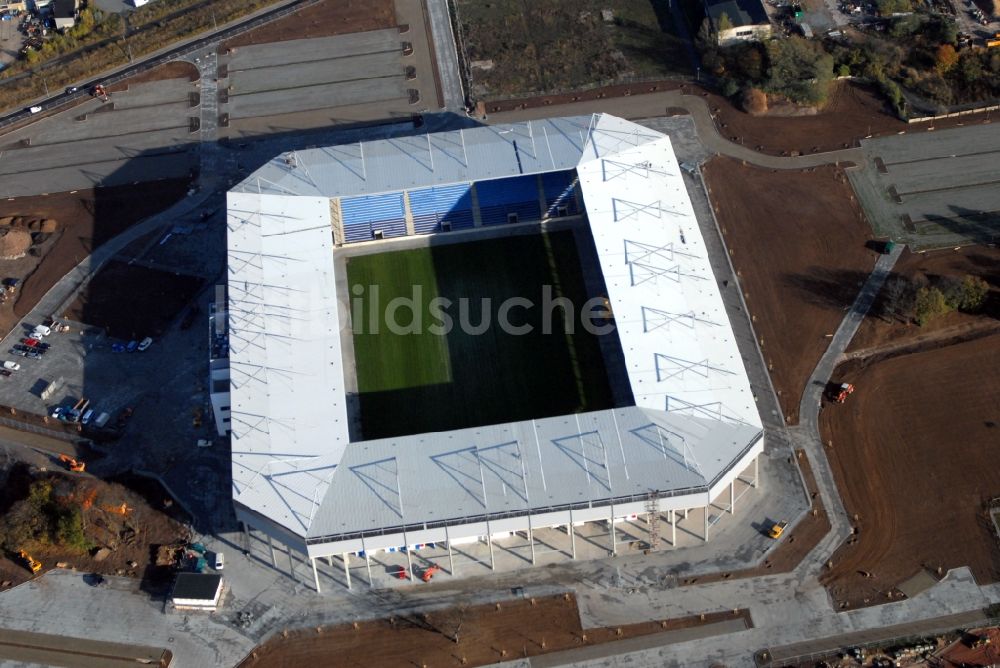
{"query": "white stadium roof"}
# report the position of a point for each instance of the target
(293, 462)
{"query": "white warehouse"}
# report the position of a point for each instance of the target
(299, 476)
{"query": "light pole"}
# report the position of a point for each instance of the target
(128, 47)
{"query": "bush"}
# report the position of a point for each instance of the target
(754, 101)
(972, 294)
(930, 304)
(729, 87)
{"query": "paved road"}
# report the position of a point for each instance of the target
(447, 55)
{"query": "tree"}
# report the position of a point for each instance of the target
(930, 304)
(725, 23)
(706, 34)
(945, 58)
(898, 297)
(972, 294)
(843, 70)
(69, 530)
(799, 69)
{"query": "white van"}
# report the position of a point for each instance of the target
(13, 366)
(220, 561)
(40, 331)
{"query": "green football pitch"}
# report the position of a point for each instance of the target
(414, 378)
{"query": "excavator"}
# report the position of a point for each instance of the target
(73, 464)
(122, 509)
(842, 392)
(33, 564)
(429, 572)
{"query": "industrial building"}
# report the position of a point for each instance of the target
(303, 479)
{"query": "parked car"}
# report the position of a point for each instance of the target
(204, 443)
(13, 366)
(34, 110)
(18, 347)
(117, 347)
(220, 561)
(19, 353)
(132, 345)
(145, 344)
(4, 372)
(72, 89)
(33, 355)
(40, 331)
(87, 416)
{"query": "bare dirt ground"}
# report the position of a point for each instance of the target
(800, 266)
(853, 112)
(460, 636)
(913, 455)
(86, 219)
(879, 332)
(133, 536)
(324, 19)
(132, 301)
(177, 69)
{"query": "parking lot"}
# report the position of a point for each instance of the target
(141, 134)
(933, 189)
(356, 73)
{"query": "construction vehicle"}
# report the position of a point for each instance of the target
(33, 565)
(73, 464)
(842, 392)
(777, 530)
(429, 572)
(122, 509)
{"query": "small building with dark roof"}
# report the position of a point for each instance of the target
(197, 591)
(745, 20)
(64, 13)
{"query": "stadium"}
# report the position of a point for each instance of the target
(350, 440)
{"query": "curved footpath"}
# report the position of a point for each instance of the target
(651, 105)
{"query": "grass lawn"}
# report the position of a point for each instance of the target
(422, 381)
(561, 45)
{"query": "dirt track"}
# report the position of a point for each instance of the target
(913, 454)
(460, 636)
(800, 266)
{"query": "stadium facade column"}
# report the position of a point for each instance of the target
(274, 559)
(756, 472)
(347, 567)
(572, 534)
(489, 541)
(451, 556)
(315, 575)
(291, 562)
(705, 509)
(368, 562)
(673, 528)
(246, 536)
